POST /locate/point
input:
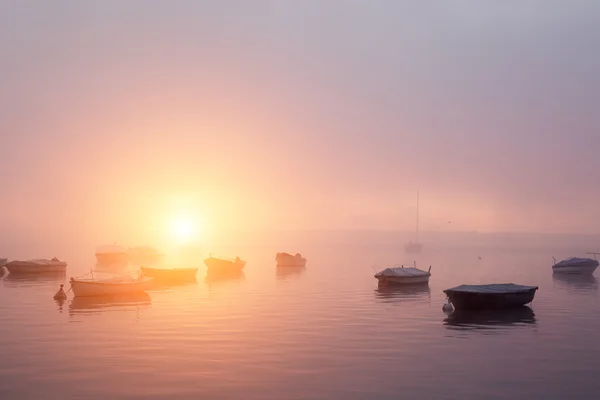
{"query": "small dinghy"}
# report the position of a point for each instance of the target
(170, 274)
(215, 264)
(403, 276)
(39, 265)
(576, 265)
(502, 295)
(109, 287)
(288, 260)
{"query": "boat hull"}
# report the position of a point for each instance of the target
(402, 280)
(481, 301)
(24, 267)
(99, 288)
(170, 275)
(288, 260)
(575, 269)
(221, 265)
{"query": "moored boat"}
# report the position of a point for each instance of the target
(576, 265)
(223, 264)
(112, 254)
(38, 265)
(170, 274)
(403, 276)
(109, 287)
(501, 295)
(288, 260)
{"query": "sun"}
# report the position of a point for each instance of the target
(184, 228)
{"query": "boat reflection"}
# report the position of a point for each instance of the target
(98, 304)
(582, 283)
(34, 279)
(284, 273)
(394, 293)
(224, 276)
(490, 319)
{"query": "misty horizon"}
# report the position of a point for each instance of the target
(298, 116)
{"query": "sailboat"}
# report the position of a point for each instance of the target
(415, 247)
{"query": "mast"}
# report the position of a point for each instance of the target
(417, 239)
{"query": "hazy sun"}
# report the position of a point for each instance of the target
(183, 228)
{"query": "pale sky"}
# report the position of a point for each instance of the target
(299, 115)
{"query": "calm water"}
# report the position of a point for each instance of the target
(320, 333)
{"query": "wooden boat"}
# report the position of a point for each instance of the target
(403, 276)
(111, 254)
(109, 287)
(222, 264)
(170, 274)
(576, 265)
(39, 265)
(503, 295)
(288, 260)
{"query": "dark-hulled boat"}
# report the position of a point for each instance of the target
(576, 265)
(493, 296)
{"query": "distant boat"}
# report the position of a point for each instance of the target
(224, 265)
(112, 254)
(576, 265)
(415, 247)
(504, 295)
(170, 274)
(403, 276)
(288, 260)
(39, 265)
(144, 254)
(109, 287)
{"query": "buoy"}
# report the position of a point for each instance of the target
(60, 295)
(448, 307)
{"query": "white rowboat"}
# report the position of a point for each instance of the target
(402, 276)
(109, 287)
(39, 265)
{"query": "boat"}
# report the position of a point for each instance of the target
(492, 296)
(144, 254)
(109, 287)
(576, 265)
(38, 265)
(112, 254)
(223, 264)
(288, 260)
(170, 274)
(403, 276)
(415, 247)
